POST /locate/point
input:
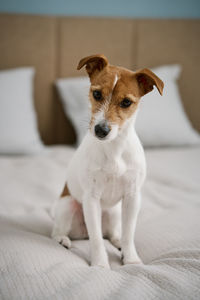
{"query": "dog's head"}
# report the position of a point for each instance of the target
(114, 94)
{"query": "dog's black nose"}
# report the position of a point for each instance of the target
(101, 130)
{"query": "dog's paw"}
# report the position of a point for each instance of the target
(102, 264)
(63, 240)
(134, 260)
(116, 242)
(100, 260)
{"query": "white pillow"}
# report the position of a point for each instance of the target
(74, 96)
(18, 124)
(161, 120)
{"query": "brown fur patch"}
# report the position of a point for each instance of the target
(126, 86)
(94, 63)
(65, 191)
(131, 85)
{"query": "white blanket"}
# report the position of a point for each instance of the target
(33, 266)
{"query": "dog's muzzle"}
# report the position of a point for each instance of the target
(101, 130)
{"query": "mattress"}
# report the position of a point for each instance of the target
(33, 266)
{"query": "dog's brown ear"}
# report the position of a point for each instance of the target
(93, 63)
(146, 80)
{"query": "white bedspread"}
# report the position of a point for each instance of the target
(33, 266)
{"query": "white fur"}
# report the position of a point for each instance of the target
(115, 81)
(114, 84)
(99, 116)
(106, 177)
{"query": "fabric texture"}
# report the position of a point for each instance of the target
(161, 121)
(33, 266)
(18, 123)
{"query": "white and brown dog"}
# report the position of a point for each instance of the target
(102, 193)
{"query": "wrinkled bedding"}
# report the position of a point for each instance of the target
(33, 266)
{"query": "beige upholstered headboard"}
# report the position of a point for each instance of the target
(54, 45)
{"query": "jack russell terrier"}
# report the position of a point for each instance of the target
(102, 193)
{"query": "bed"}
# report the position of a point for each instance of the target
(32, 265)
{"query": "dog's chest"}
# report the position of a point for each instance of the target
(113, 190)
(113, 176)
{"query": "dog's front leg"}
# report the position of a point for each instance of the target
(92, 214)
(130, 209)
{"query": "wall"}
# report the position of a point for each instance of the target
(122, 8)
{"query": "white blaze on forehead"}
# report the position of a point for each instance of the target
(114, 84)
(115, 81)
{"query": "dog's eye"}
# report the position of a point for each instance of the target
(97, 95)
(125, 103)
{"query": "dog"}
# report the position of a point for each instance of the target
(102, 193)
